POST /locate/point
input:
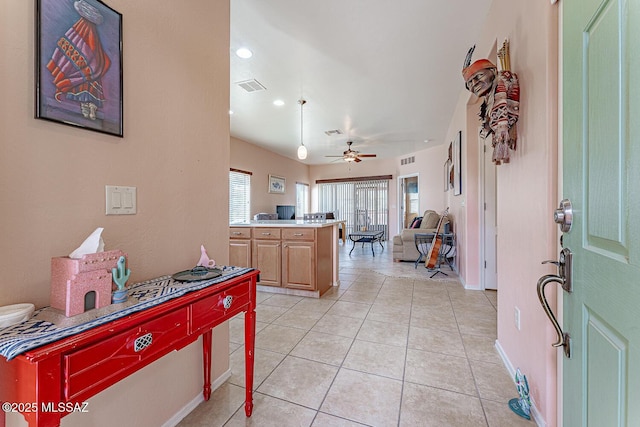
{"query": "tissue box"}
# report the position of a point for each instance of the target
(78, 285)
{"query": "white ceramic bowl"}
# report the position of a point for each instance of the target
(16, 313)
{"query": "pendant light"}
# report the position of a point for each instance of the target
(302, 150)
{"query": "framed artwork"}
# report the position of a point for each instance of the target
(276, 184)
(447, 168)
(79, 64)
(457, 165)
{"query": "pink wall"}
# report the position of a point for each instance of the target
(429, 165)
(262, 163)
(175, 150)
(527, 192)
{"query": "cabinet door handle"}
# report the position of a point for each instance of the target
(266, 234)
(236, 232)
(226, 302)
(298, 234)
(142, 342)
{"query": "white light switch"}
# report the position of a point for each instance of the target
(120, 200)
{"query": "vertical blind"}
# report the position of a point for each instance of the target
(239, 196)
(362, 204)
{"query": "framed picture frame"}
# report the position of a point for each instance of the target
(79, 65)
(447, 167)
(276, 184)
(457, 164)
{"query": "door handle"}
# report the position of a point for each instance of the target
(564, 339)
(565, 267)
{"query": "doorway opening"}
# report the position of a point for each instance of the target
(409, 200)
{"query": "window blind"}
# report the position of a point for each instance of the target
(239, 196)
(302, 199)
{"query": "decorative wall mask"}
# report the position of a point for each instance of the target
(500, 109)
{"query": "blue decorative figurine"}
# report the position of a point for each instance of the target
(120, 276)
(521, 405)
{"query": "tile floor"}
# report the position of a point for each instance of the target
(389, 347)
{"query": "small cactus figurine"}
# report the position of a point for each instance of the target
(120, 276)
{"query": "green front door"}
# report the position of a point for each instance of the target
(601, 177)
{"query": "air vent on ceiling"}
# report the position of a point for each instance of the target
(333, 132)
(251, 85)
(408, 160)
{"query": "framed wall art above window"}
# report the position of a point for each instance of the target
(79, 64)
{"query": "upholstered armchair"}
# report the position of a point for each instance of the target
(404, 247)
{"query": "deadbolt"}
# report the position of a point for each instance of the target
(563, 216)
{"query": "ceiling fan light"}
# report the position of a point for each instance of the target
(349, 159)
(302, 152)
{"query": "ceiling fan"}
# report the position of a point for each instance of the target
(352, 155)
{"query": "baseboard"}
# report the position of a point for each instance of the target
(535, 414)
(464, 283)
(190, 406)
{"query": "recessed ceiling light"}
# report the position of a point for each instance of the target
(230, 112)
(244, 53)
(278, 102)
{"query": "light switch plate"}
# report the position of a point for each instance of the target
(120, 200)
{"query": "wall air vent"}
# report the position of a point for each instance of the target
(408, 160)
(333, 132)
(251, 85)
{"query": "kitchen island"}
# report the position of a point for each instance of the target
(294, 257)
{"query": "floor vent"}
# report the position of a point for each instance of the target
(408, 160)
(251, 85)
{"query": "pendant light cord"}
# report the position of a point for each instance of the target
(302, 150)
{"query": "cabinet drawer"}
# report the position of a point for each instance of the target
(110, 360)
(239, 233)
(210, 311)
(298, 234)
(266, 233)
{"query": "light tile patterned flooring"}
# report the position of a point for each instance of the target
(389, 347)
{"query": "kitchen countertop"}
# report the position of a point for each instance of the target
(289, 223)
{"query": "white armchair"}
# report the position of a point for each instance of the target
(404, 247)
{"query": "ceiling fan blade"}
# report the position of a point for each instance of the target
(367, 155)
(334, 156)
(357, 160)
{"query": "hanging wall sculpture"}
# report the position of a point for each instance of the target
(500, 109)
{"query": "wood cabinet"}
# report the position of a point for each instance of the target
(299, 259)
(240, 246)
(299, 265)
(267, 257)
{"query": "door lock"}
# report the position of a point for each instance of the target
(563, 216)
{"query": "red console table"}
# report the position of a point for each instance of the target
(69, 371)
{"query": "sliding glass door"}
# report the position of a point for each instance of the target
(364, 205)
